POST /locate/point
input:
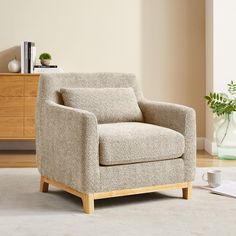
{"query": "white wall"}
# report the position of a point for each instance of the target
(209, 73)
(220, 56)
(174, 54)
(224, 43)
(81, 35)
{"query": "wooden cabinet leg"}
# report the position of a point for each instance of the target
(43, 185)
(88, 203)
(187, 192)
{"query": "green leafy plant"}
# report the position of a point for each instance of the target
(221, 103)
(45, 56)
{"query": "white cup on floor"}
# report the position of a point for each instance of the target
(213, 177)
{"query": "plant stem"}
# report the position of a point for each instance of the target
(226, 130)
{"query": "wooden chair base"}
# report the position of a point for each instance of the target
(88, 198)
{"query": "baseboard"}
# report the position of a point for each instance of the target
(210, 147)
(207, 145)
(200, 143)
(17, 145)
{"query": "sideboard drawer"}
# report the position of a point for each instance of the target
(31, 86)
(18, 94)
(11, 86)
(30, 103)
(11, 106)
(29, 127)
(11, 127)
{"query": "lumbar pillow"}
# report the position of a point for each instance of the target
(108, 104)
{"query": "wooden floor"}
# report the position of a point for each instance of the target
(17, 159)
(28, 159)
(204, 159)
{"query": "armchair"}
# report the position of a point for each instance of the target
(92, 158)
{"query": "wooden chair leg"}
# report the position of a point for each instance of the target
(43, 185)
(187, 192)
(88, 203)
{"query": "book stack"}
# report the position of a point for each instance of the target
(28, 57)
(46, 69)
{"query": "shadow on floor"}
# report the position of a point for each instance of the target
(117, 201)
(20, 195)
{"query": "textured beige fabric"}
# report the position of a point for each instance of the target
(179, 118)
(131, 142)
(69, 155)
(141, 174)
(108, 104)
(69, 142)
(50, 84)
(67, 139)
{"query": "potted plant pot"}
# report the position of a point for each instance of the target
(45, 62)
(45, 59)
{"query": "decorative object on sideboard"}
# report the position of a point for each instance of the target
(14, 66)
(225, 105)
(28, 57)
(39, 69)
(45, 59)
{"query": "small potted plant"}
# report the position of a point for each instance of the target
(225, 105)
(45, 59)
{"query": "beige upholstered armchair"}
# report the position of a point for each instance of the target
(97, 137)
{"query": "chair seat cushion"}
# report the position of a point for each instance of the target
(132, 142)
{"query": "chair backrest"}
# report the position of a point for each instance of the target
(50, 84)
(49, 89)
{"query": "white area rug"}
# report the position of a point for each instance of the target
(24, 211)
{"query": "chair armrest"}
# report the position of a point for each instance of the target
(179, 118)
(67, 146)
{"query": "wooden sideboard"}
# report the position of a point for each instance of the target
(17, 105)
